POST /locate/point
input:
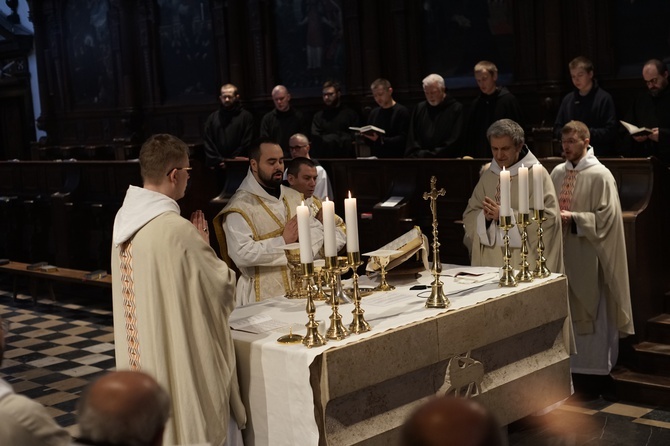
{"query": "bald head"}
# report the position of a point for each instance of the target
(448, 421)
(281, 98)
(124, 408)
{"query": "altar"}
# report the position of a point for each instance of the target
(507, 347)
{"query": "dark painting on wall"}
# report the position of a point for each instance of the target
(309, 43)
(187, 58)
(459, 33)
(643, 33)
(90, 52)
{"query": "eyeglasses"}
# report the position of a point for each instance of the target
(188, 169)
(298, 147)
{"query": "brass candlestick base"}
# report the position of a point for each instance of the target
(507, 278)
(541, 269)
(359, 324)
(524, 274)
(336, 330)
(312, 338)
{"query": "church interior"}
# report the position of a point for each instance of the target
(83, 83)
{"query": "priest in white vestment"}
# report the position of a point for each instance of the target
(302, 176)
(481, 216)
(172, 297)
(595, 253)
(258, 220)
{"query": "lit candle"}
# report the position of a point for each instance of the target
(351, 219)
(505, 209)
(329, 246)
(304, 236)
(523, 190)
(538, 187)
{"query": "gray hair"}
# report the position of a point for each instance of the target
(433, 79)
(506, 127)
(138, 427)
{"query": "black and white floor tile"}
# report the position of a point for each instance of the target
(55, 349)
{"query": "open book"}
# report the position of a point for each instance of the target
(367, 128)
(407, 244)
(635, 130)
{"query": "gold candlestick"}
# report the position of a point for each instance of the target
(524, 274)
(312, 338)
(336, 330)
(507, 278)
(437, 298)
(541, 269)
(358, 324)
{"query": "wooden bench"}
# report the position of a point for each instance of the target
(18, 269)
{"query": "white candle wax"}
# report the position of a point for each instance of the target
(523, 190)
(351, 219)
(329, 245)
(304, 236)
(538, 187)
(505, 209)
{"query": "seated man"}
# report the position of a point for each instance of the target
(123, 408)
(22, 420)
(482, 213)
(257, 222)
(301, 176)
(300, 147)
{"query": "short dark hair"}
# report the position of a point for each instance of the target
(661, 67)
(296, 163)
(255, 148)
(381, 82)
(333, 83)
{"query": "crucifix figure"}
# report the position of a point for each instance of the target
(432, 196)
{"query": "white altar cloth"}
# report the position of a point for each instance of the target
(280, 401)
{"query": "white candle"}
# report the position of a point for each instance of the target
(538, 187)
(505, 209)
(304, 236)
(329, 246)
(351, 219)
(523, 190)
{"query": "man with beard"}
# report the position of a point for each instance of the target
(436, 123)
(591, 105)
(284, 121)
(257, 222)
(651, 109)
(331, 136)
(595, 259)
(229, 130)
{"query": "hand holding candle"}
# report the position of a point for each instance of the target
(538, 187)
(523, 190)
(329, 245)
(505, 209)
(304, 235)
(351, 219)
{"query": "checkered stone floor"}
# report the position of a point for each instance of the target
(54, 350)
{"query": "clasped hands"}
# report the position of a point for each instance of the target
(491, 209)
